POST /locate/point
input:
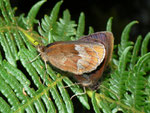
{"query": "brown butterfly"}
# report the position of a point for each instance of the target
(85, 58)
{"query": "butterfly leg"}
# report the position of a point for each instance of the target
(72, 85)
(84, 92)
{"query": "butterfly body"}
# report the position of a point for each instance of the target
(85, 58)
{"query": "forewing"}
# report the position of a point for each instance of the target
(76, 57)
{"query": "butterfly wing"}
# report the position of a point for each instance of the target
(76, 57)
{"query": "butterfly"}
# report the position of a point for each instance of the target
(85, 59)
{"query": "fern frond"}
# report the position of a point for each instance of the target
(8, 52)
(94, 103)
(124, 38)
(91, 30)
(26, 92)
(136, 84)
(135, 52)
(49, 22)
(124, 90)
(109, 24)
(30, 19)
(65, 28)
(145, 43)
(81, 26)
(7, 12)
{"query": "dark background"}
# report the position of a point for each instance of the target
(97, 13)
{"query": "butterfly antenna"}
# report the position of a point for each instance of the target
(34, 58)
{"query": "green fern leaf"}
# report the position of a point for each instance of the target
(91, 30)
(124, 38)
(136, 49)
(65, 28)
(109, 25)
(81, 26)
(145, 44)
(94, 103)
(49, 22)
(30, 19)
